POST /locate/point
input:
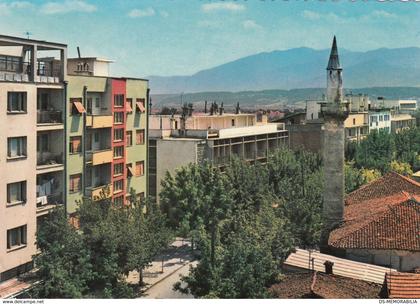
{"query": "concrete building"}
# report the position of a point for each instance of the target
(334, 111)
(106, 134)
(32, 89)
(400, 122)
(176, 141)
(380, 120)
(407, 106)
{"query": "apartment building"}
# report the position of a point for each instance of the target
(176, 141)
(380, 120)
(403, 106)
(32, 95)
(106, 133)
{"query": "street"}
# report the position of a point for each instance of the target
(163, 289)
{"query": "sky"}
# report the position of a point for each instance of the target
(182, 37)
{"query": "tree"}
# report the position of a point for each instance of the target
(63, 263)
(352, 177)
(401, 168)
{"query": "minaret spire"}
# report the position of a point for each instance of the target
(334, 62)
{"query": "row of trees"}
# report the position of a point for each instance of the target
(95, 260)
(244, 220)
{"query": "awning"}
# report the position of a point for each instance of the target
(140, 106)
(130, 171)
(79, 107)
(128, 107)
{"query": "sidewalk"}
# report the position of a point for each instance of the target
(174, 258)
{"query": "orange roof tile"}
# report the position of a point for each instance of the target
(384, 214)
(402, 285)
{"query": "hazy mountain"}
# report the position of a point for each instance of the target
(300, 68)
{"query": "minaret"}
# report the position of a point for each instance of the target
(334, 111)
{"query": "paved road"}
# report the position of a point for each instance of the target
(163, 289)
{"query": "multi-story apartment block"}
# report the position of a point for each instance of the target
(216, 138)
(380, 120)
(32, 96)
(403, 106)
(400, 122)
(106, 134)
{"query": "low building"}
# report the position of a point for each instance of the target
(175, 141)
(400, 122)
(380, 120)
(406, 106)
(381, 224)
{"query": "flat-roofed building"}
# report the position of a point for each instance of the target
(215, 138)
(32, 91)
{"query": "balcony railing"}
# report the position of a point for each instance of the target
(49, 117)
(48, 202)
(45, 158)
(99, 157)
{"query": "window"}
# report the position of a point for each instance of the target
(97, 102)
(75, 144)
(140, 137)
(118, 134)
(10, 63)
(42, 142)
(76, 106)
(233, 122)
(381, 118)
(16, 237)
(139, 168)
(16, 192)
(119, 100)
(354, 121)
(386, 117)
(118, 117)
(118, 152)
(16, 147)
(119, 200)
(75, 182)
(118, 185)
(16, 102)
(130, 171)
(129, 105)
(118, 169)
(129, 139)
(140, 103)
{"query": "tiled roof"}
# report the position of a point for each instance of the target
(400, 285)
(388, 185)
(384, 214)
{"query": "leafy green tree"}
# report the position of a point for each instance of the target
(63, 263)
(352, 177)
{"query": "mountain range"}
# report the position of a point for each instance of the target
(299, 68)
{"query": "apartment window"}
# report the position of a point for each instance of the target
(139, 168)
(129, 105)
(118, 201)
(16, 102)
(118, 152)
(118, 169)
(76, 106)
(10, 63)
(119, 100)
(75, 182)
(386, 117)
(118, 185)
(16, 147)
(140, 137)
(16, 192)
(75, 144)
(381, 118)
(233, 122)
(140, 104)
(354, 121)
(130, 171)
(16, 237)
(42, 142)
(118, 117)
(118, 134)
(129, 139)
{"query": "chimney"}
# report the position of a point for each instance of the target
(329, 267)
(78, 52)
(221, 110)
(334, 112)
(238, 109)
(205, 106)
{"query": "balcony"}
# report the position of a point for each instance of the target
(49, 161)
(49, 120)
(99, 121)
(99, 157)
(99, 192)
(45, 203)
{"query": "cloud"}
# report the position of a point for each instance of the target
(6, 8)
(222, 6)
(68, 6)
(251, 25)
(311, 15)
(383, 14)
(164, 14)
(139, 13)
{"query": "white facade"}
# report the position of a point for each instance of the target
(380, 121)
(406, 106)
